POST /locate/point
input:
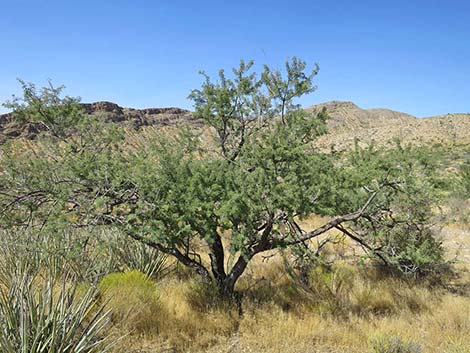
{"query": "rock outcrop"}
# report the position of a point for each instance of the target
(135, 118)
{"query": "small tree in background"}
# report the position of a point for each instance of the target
(46, 109)
(241, 196)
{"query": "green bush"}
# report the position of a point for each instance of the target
(400, 232)
(394, 345)
(133, 300)
(414, 251)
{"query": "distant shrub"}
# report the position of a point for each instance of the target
(404, 237)
(133, 299)
(464, 179)
(394, 345)
(414, 251)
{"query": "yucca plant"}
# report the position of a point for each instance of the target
(12, 249)
(132, 255)
(46, 315)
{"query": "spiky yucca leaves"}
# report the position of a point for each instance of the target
(133, 255)
(39, 315)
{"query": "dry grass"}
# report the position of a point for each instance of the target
(180, 326)
(447, 329)
(342, 309)
(281, 317)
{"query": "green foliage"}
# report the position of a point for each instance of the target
(72, 157)
(128, 280)
(133, 300)
(258, 178)
(284, 88)
(464, 180)
(130, 255)
(394, 345)
(45, 107)
(239, 108)
(402, 234)
(47, 315)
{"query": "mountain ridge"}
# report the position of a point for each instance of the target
(348, 123)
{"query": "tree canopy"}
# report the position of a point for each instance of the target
(239, 195)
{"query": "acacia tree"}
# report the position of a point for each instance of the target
(239, 195)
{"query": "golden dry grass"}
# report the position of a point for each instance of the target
(338, 311)
(280, 318)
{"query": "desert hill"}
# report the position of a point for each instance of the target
(347, 123)
(348, 116)
(129, 117)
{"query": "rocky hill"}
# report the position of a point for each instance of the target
(134, 118)
(347, 124)
(348, 116)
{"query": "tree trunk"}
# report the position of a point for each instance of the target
(217, 257)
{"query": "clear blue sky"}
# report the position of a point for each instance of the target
(407, 55)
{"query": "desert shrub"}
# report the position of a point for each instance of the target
(89, 254)
(132, 255)
(260, 171)
(464, 180)
(414, 251)
(134, 301)
(47, 315)
(332, 286)
(394, 345)
(402, 235)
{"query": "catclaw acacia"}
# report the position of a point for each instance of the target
(233, 197)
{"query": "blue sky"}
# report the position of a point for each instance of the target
(411, 56)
